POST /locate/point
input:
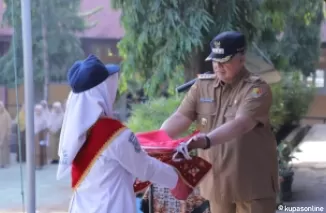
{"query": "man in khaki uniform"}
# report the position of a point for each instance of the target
(231, 109)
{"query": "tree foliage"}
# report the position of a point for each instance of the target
(62, 23)
(303, 31)
(169, 39)
(290, 33)
(162, 36)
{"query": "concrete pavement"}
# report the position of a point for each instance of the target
(309, 186)
(51, 195)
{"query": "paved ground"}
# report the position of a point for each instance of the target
(309, 187)
(51, 195)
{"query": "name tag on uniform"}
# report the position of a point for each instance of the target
(207, 100)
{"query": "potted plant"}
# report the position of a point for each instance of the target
(277, 112)
(151, 115)
(286, 172)
(291, 99)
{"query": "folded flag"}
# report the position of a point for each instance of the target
(191, 171)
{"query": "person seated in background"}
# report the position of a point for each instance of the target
(40, 137)
(21, 125)
(55, 124)
(5, 133)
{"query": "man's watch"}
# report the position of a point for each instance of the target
(208, 142)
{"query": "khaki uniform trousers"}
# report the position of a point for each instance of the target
(265, 205)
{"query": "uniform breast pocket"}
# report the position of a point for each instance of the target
(230, 113)
(206, 115)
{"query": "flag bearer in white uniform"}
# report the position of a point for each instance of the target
(101, 154)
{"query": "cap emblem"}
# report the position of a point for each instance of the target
(217, 44)
(217, 49)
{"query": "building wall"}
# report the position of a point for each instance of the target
(3, 94)
(57, 92)
(105, 49)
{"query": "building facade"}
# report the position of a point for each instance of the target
(101, 40)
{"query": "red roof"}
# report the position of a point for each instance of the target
(108, 20)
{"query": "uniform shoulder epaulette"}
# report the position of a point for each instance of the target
(206, 76)
(254, 78)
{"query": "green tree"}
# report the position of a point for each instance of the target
(303, 35)
(167, 40)
(56, 45)
(296, 24)
(272, 21)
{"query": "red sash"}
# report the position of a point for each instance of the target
(102, 133)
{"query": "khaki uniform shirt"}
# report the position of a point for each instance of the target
(245, 168)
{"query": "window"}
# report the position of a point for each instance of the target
(97, 50)
(110, 53)
(319, 80)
